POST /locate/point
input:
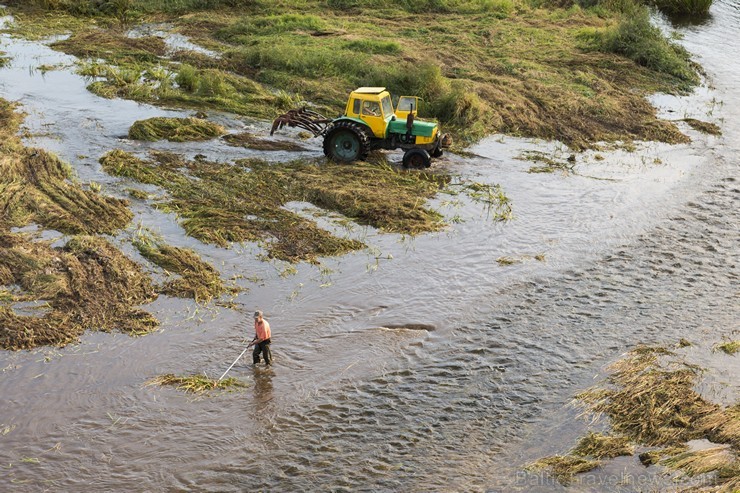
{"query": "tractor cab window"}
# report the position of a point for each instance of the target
(406, 103)
(356, 106)
(370, 108)
(387, 106)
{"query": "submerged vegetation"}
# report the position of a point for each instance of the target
(86, 283)
(175, 129)
(197, 279)
(222, 203)
(729, 347)
(650, 400)
(196, 384)
(576, 71)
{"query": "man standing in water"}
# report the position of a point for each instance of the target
(261, 339)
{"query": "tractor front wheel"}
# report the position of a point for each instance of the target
(417, 159)
(346, 142)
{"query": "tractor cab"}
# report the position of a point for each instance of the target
(373, 106)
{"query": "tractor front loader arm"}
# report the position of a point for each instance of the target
(316, 123)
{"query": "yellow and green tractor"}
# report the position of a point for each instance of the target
(370, 122)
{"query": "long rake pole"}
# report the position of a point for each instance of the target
(237, 359)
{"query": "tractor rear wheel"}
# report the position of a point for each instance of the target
(417, 159)
(347, 141)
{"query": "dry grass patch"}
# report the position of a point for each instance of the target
(729, 347)
(112, 45)
(601, 446)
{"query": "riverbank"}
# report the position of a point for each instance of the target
(577, 75)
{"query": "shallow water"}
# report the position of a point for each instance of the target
(419, 365)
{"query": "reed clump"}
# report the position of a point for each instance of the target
(175, 129)
(652, 403)
(196, 384)
(650, 400)
(87, 284)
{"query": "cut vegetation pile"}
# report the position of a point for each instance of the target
(175, 129)
(573, 71)
(196, 384)
(650, 401)
(250, 141)
(197, 279)
(87, 283)
(222, 203)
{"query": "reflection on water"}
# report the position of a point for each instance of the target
(439, 370)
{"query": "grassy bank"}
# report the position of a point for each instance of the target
(85, 284)
(573, 71)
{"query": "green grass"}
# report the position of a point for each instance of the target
(684, 7)
(578, 74)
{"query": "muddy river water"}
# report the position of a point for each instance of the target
(421, 364)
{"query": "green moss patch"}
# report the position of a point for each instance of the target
(175, 129)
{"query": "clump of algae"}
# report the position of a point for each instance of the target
(196, 384)
(87, 283)
(222, 203)
(175, 129)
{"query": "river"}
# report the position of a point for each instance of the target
(422, 364)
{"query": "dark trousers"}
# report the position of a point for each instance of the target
(264, 348)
